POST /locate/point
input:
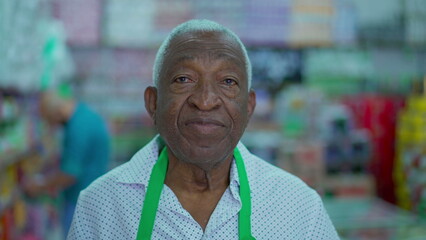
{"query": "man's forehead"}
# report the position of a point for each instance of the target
(209, 55)
(204, 40)
(213, 45)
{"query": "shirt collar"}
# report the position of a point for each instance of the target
(234, 182)
(138, 169)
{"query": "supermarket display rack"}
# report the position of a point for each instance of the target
(372, 218)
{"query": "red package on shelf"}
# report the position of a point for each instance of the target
(378, 115)
(6, 224)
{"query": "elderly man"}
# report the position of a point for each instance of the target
(195, 180)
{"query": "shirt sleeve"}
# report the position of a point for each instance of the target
(321, 227)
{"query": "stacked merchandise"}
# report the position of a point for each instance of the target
(35, 54)
(362, 70)
(344, 22)
(345, 76)
(35, 58)
(377, 114)
(81, 28)
(321, 144)
(266, 22)
(129, 23)
(21, 218)
(415, 12)
(311, 23)
(302, 151)
(21, 154)
(347, 153)
(382, 27)
(373, 218)
(410, 161)
(11, 125)
(274, 69)
(228, 13)
(141, 24)
(356, 71)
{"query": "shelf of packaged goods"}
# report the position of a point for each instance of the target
(367, 213)
(7, 202)
(8, 159)
(373, 218)
(11, 157)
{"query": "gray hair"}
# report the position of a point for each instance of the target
(197, 25)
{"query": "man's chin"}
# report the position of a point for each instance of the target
(208, 165)
(206, 141)
(206, 152)
(207, 158)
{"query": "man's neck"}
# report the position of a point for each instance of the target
(190, 178)
(197, 190)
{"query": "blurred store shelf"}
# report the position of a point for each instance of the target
(372, 218)
(11, 157)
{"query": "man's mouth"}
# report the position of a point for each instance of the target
(204, 125)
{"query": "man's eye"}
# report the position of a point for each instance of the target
(230, 81)
(182, 80)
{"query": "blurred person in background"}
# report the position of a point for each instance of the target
(195, 180)
(85, 150)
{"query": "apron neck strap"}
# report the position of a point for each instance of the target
(155, 187)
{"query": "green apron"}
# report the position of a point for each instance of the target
(155, 187)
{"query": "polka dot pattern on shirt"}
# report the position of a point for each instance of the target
(283, 207)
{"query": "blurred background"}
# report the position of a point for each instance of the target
(340, 85)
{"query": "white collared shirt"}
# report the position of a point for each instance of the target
(283, 207)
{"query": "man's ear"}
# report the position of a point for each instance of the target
(251, 104)
(150, 97)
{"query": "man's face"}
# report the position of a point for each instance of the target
(47, 114)
(203, 103)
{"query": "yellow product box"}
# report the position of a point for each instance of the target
(404, 137)
(419, 137)
(8, 182)
(418, 122)
(417, 103)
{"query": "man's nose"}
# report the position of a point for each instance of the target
(205, 97)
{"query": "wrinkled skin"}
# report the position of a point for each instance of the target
(202, 105)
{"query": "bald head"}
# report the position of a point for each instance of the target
(55, 109)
